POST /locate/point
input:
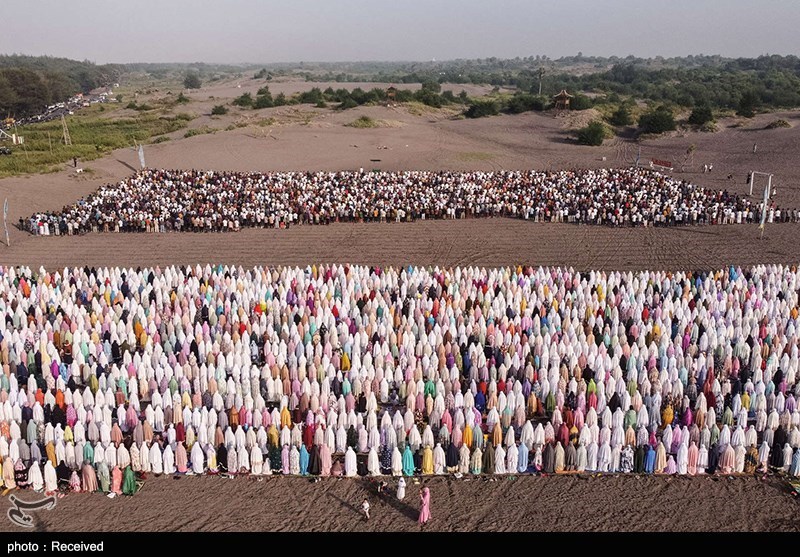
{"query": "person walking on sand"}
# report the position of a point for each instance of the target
(425, 504)
(365, 508)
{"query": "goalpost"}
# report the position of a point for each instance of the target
(754, 174)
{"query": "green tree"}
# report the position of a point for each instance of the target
(659, 120)
(432, 86)
(593, 134)
(621, 116)
(700, 115)
(192, 81)
(748, 103)
(246, 99)
(280, 100)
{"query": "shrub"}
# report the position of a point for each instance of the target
(659, 120)
(199, 131)
(778, 124)
(580, 102)
(160, 139)
(310, 97)
(182, 99)
(192, 81)
(481, 108)
(131, 105)
(244, 100)
(280, 100)
(219, 110)
(347, 103)
(263, 101)
(363, 122)
(593, 134)
(700, 115)
(261, 74)
(524, 102)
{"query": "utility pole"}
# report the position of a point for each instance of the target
(541, 76)
(67, 139)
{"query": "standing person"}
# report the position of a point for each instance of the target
(425, 504)
(401, 488)
(365, 508)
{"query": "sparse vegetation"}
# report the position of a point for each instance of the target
(199, 131)
(475, 156)
(182, 99)
(92, 136)
(363, 122)
(778, 124)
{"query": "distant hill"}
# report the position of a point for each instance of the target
(30, 83)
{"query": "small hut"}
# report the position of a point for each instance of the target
(561, 101)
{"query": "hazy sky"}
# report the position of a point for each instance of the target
(235, 31)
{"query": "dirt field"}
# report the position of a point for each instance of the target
(528, 503)
(485, 242)
(305, 138)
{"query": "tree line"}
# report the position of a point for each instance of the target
(30, 83)
(430, 94)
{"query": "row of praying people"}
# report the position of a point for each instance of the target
(154, 200)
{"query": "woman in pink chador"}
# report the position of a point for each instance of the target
(425, 510)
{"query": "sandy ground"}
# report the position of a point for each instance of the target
(484, 242)
(306, 138)
(520, 503)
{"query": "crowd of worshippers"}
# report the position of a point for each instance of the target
(164, 200)
(112, 374)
